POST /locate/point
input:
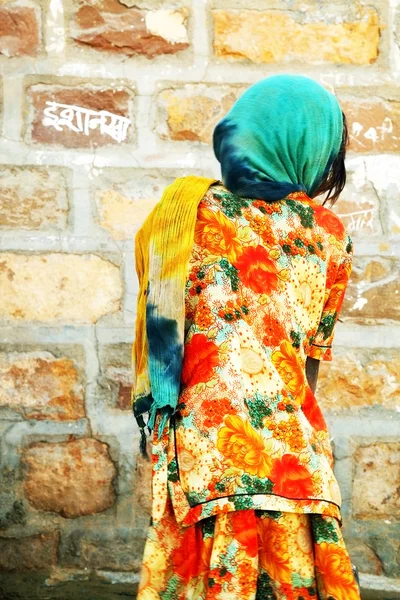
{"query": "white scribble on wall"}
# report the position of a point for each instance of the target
(359, 303)
(55, 27)
(374, 134)
(366, 286)
(84, 120)
(358, 220)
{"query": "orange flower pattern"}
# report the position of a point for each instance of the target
(244, 470)
(290, 366)
(217, 234)
(257, 270)
(291, 478)
(265, 284)
(326, 219)
(247, 555)
(274, 549)
(244, 447)
(333, 564)
(201, 356)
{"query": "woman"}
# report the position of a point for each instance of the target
(241, 286)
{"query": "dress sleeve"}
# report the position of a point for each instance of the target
(321, 347)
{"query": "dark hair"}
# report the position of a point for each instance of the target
(335, 180)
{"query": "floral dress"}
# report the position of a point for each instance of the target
(245, 502)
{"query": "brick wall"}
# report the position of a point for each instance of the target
(74, 498)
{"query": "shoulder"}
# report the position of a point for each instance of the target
(329, 221)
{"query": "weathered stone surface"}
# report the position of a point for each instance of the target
(58, 287)
(19, 31)
(374, 124)
(118, 550)
(364, 557)
(374, 290)
(120, 27)
(276, 37)
(356, 379)
(16, 515)
(376, 484)
(122, 215)
(71, 131)
(125, 197)
(124, 401)
(41, 386)
(36, 552)
(374, 587)
(358, 205)
(143, 494)
(70, 478)
(12, 507)
(191, 112)
(116, 362)
(67, 584)
(33, 198)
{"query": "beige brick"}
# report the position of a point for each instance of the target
(114, 27)
(41, 386)
(376, 483)
(278, 37)
(125, 197)
(58, 287)
(71, 133)
(374, 124)
(357, 379)
(191, 112)
(70, 478)
(122, 215)
(32, 553)
(19, 31)
(33, 198)
(373, 291)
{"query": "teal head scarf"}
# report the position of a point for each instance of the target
(281, 136)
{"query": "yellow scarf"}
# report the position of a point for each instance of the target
(162, 251)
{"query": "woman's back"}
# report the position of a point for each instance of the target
(266, 281)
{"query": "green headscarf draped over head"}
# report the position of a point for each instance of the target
(281, 136)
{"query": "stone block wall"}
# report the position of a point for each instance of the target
(74, 495)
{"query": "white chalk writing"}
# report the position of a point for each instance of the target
(374, 134)
(83, 120)
(360, 219)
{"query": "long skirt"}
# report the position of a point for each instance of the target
(247, 555)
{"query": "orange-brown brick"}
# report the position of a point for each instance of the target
(70, 478)
(190, 112)
(274, 36)
(116, 27)
(357, 378)
(117, 101)
(19, 31)
(41, 386)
